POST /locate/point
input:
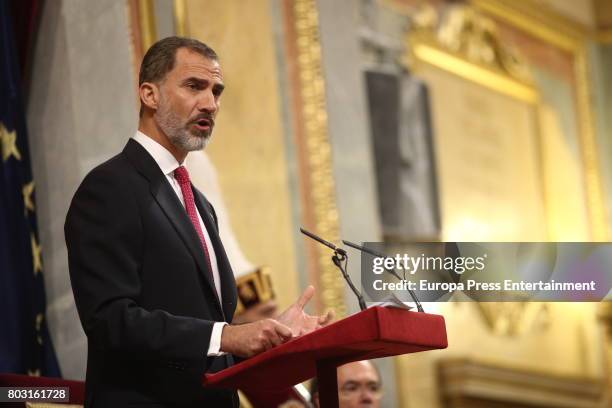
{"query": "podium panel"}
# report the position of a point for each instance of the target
(373, 333)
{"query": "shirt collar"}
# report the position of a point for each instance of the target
(164, 159)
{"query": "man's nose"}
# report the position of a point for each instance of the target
(208, 103)
(366, 396)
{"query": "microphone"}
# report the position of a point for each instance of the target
(391, 271)
(339, 256)
(322, 241)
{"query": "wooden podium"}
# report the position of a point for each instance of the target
(373, 333)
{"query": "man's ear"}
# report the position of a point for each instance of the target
(149, 95)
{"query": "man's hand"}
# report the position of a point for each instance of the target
(298, 321)
(247, 340)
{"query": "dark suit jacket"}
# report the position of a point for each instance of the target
(142, 287)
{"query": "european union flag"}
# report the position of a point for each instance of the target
(25, 345)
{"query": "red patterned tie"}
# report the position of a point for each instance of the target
(182, 176)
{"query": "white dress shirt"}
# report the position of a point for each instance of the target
(168, 163)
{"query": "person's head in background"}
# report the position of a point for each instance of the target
(359, 385)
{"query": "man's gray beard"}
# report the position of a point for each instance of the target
(180, 137)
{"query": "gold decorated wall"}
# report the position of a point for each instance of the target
(517, 160)
(513, 164)
(503, 86)
(248, 148)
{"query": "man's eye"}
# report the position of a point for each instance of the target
(193, 85)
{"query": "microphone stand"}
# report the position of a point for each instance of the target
(338, 258)
(391, 271)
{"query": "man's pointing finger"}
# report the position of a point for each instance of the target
(306, 296)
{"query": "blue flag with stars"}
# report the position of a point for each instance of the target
(25, 344)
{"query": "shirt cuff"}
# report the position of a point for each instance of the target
(214, 347)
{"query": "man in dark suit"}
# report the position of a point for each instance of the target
(153, 286)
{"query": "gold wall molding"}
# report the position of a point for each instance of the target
(180, 18)
(471, 383)
(143, 33)
(485, 76)
(466, 43)
(137, 31)
(319, 200)
(551, 19)
(536, 11)
(148, 28)
(537, 20)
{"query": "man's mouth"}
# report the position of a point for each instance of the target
(204, 124)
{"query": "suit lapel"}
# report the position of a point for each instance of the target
(226, 274)
(173, 209)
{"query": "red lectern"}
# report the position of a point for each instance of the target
(373, 333)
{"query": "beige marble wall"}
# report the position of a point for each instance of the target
(80, 112)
